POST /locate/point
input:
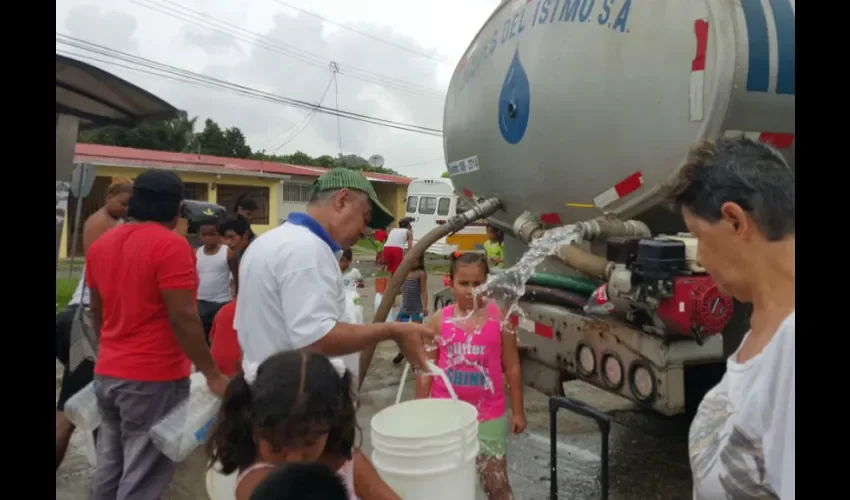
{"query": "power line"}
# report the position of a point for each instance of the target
(184, 76)
(441, 159)
(307, 119)
(334, 70)
(362, 33)
(238, 33)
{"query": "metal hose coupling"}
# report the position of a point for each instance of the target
(593, 229)
(479, 210)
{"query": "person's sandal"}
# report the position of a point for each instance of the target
(398, 359)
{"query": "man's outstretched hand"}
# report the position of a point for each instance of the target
(411, 338)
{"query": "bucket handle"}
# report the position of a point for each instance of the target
(431, 368)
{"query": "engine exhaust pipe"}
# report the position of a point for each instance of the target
(480, 210)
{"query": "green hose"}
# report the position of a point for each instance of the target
(581, 286)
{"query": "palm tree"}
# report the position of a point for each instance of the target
(181, 133)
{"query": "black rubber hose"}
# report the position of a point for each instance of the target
(581, 286)
(553, 296)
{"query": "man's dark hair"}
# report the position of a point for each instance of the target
(245, 203)
(234, 223)
(347, 254)
(739, 170)
(301, 481)
(156, 196)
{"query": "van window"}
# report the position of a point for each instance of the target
(427, 205)
(411, 204)
(443, 206)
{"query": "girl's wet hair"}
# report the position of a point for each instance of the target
(298, 396)
(459, 258)
(120, 185)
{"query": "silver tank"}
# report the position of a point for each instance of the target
(556, 103)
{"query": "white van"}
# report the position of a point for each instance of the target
(431, 202)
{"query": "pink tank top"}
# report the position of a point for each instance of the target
(473, 363)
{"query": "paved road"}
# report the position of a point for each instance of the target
(648, 453)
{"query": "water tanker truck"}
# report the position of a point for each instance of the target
(577, 112)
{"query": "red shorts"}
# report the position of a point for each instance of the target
(392, 258)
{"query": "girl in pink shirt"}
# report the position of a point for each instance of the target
(474, 353)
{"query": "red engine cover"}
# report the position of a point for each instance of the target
(696, 302)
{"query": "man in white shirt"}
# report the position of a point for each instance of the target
(290, 284)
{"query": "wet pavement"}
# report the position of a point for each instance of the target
(648, 453)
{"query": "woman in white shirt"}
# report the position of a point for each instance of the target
(737, 197)
(399, 240)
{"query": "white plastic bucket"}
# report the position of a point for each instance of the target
(426, 449)
(219, 486)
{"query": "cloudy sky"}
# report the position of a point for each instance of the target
(395, 59)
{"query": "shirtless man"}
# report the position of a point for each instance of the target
(107, 217)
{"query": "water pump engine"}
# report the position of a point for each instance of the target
(659, 286)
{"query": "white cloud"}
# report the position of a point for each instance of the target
(297, 65)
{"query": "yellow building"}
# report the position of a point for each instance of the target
(277, 188)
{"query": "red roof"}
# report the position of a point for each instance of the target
(146, 158)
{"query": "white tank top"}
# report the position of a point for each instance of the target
(397, 238)
(213, 276)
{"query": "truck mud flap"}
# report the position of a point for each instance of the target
(579, 408)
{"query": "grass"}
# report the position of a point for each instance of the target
(64, 291)
(366, 244)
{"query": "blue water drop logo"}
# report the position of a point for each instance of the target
(514, 102)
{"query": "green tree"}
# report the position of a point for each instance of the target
(236, 143)
(326, 161)
(444, 175)
(211, 140)
(162, 135)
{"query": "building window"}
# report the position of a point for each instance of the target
(195, 191)
(443, 206)
(427, 205)
(227, 194)
(295, 192)
(411, 204)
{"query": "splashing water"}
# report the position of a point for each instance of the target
(506, 289)
(508, 286)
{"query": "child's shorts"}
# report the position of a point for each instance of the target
(493, 437)
(407, 318)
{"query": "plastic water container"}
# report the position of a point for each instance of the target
(187, 426)
(391, 315)
(81, 409)
(353, 315)
(90, 449)
(426, 449)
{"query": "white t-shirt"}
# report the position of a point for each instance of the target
(397, 238)
(350, 277)
(290, 292)
(742, 438)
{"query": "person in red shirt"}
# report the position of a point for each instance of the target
(225, 344)
(143, 286)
